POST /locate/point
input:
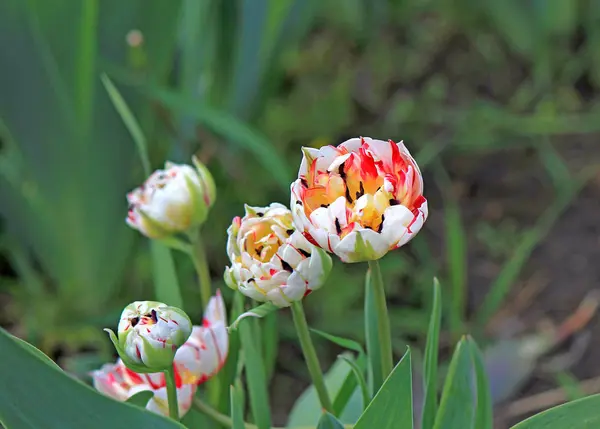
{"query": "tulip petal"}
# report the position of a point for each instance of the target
(361, 245)
(397, 219)
(352, 145)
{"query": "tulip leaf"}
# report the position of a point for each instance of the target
(141, 398)
(255, 376)
(360, 379)
(484, 410)
(391, 408)
(340, 381)
(457, 408)
(579, 414)
(328, 421)
(237, 411)
(61, 401)
(342, 342)
(43, 356)
(431, 359)
(260, 311)
(348, 390)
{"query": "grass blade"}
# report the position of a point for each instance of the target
(165, 278)
(130, 122)
(430, 365)
(580, 414)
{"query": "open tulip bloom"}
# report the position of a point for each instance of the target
(197, 360)
(270, 261)
(172, 200)
(360, 199)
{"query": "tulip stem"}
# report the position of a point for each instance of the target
(310, 356)
(383, 320)
(172, 393)
(200, 263)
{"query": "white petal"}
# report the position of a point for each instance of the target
(337, 210)
(380, 149)
(322, 219)
(361, 245)
(215, 310)
(108, 381)
(308, 153)
(415, 227)
(319, 268)
(337, 162)
(277, 297)
(396, 220)
(352, 145)
(290, 255)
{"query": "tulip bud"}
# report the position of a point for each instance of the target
(149, 334)
(270, 261)
(172, 200)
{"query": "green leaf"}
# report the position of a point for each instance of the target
(141, 398)
(255, 376)
(307, 409)
(260, 311)
(43, 356)
(360, 379)
(130, 122)
(237, 411)
(430, 365)
(580, 414)
(328, 421)
(58, 395)
(165, 278)
(228, 127)
(457, 408)
(342, 342)
(484, 411)
(392, 407)
(372, 336)
(348, 390)
(270, 339)
(166, 285)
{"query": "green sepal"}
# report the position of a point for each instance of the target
(129, 363)
(206, 179)
(199, 208)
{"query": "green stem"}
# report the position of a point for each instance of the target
(310, 356)
(200, 263)
(172, 394)
(383, 320)
(225, 420)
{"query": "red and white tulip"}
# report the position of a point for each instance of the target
(270, 261)
(360, 199)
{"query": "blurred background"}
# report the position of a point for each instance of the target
(497, 100)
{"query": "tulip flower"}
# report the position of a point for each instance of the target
(172, 200)
(360, 199)
(270, 261)
(149, 334)
(196, 361)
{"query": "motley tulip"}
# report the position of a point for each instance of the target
(149, 334)
(270, 261)
(196, 361)
(172, 200)
(360, 199)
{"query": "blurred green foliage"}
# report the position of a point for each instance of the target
(243, 84)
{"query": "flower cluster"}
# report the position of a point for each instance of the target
(197, 360)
